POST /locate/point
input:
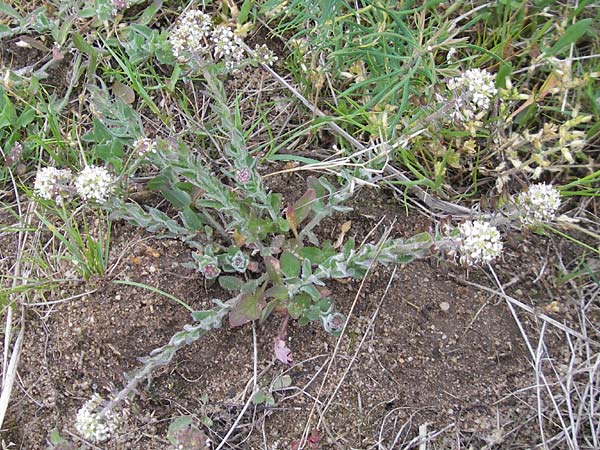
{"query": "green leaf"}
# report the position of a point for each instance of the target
(312, 291)
(303, 205)
(282, 382)
(150, 12)
(278, 292)
(504, 72)
(273, 267)
(55, 437)
(111, 153)
(266, 312)
(179, 198)
(178, 424)
(571, 35)
(275, 200)
(206, 421)
(191, 220)
(245, 11)
(82, 45)
(299, 304)
(259, 398)
(199, 316)
(249, 308)
(290, 265)
(9, 11)
(231, 283)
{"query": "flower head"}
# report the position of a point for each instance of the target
(227, 46)
(143, 146)
(93, 426)
(242, 176)
(119, 5)
(94, 183)
(210, 271)
(265, 55)
(480, 242)
(50, 181)
(239, 261)
(539, 203)
(189, 36)
(472, 91)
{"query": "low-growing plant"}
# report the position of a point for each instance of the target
(266, 253)
(184, 434)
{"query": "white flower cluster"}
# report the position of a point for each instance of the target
(195, 36)
(50, 182)
(538, 204)
(480, 242)
(94, 183)
(472, 91)
(227, 46)
(143, 146)
(91, 425)
(190, 33)
(119, 5)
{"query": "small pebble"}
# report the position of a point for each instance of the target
(444, 306)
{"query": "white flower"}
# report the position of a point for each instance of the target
(49, 182)
(450, 54)
(94, 183)
(227, 46)
(91, 425)
(119, 5)
(472, 91)
(189, 36)
(265, 55)
(480, 242)
(539, 203)
(143, 146)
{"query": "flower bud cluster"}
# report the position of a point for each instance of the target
(264, 55)
(227, 46)
(93, 183)
(190, 34)
(143, 146)
(480, 242)
(196, 37)
(119, 5)
(50, 182)
(472, 92)
(538, 204)
(93, 426)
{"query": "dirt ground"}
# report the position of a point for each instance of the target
(431, 351)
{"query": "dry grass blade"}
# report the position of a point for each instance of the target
(10, 363)
(529, 309)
